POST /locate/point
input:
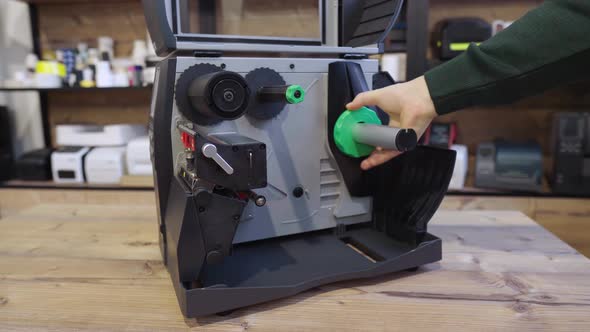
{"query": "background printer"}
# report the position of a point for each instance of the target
(138, 156)
(571, 153)
(509, 166)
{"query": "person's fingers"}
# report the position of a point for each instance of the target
(378, 157)
(410, 120)
(394, 117)
(394, 123)
(363, 99)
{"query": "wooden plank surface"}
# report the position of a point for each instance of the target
(13, 201)
(568, 218)
(97, 266)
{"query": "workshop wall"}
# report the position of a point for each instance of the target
(280, 18)
(65, 25)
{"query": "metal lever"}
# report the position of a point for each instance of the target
(210, 151)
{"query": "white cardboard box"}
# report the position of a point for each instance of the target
(138, 156)
(461, 165)
(92, 135)
(67, 164)
(105, 165)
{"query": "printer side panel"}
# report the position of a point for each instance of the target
(160, 145)
(305, 190)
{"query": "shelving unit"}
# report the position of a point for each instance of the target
(75, 89)
(527, 119)
(68, 21)
(60, 23)
(64, 23)
(14, 184)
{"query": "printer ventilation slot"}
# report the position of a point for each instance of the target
(329, 184)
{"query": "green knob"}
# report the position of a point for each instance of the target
(294, 94)
(343, 128)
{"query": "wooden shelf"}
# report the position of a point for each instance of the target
(53, 185)
(142, 186)
(396, 48)
(23, 89)
(472, 191)
(53, 2)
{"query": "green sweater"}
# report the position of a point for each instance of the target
(547, 47)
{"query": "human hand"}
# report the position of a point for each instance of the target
(409, 106)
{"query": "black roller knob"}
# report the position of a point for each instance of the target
(268, 90)
(219, 96)
(207, 95)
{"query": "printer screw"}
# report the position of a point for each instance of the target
(201, 209)
(292, 66)
(298, 192)
(260, 201)
(228, 96)
(223, 66)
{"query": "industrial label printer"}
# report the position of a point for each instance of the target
(257, 162)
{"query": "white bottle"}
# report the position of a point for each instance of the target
(104, 74)
(139, 53)
(106, 45)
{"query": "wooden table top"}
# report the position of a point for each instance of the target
(70, 267)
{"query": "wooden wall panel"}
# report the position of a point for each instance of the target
(489, 10)
(66, 24)
(526, 120)
(298, 19)
(510, 123)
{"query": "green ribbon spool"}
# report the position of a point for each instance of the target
(343, 131)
